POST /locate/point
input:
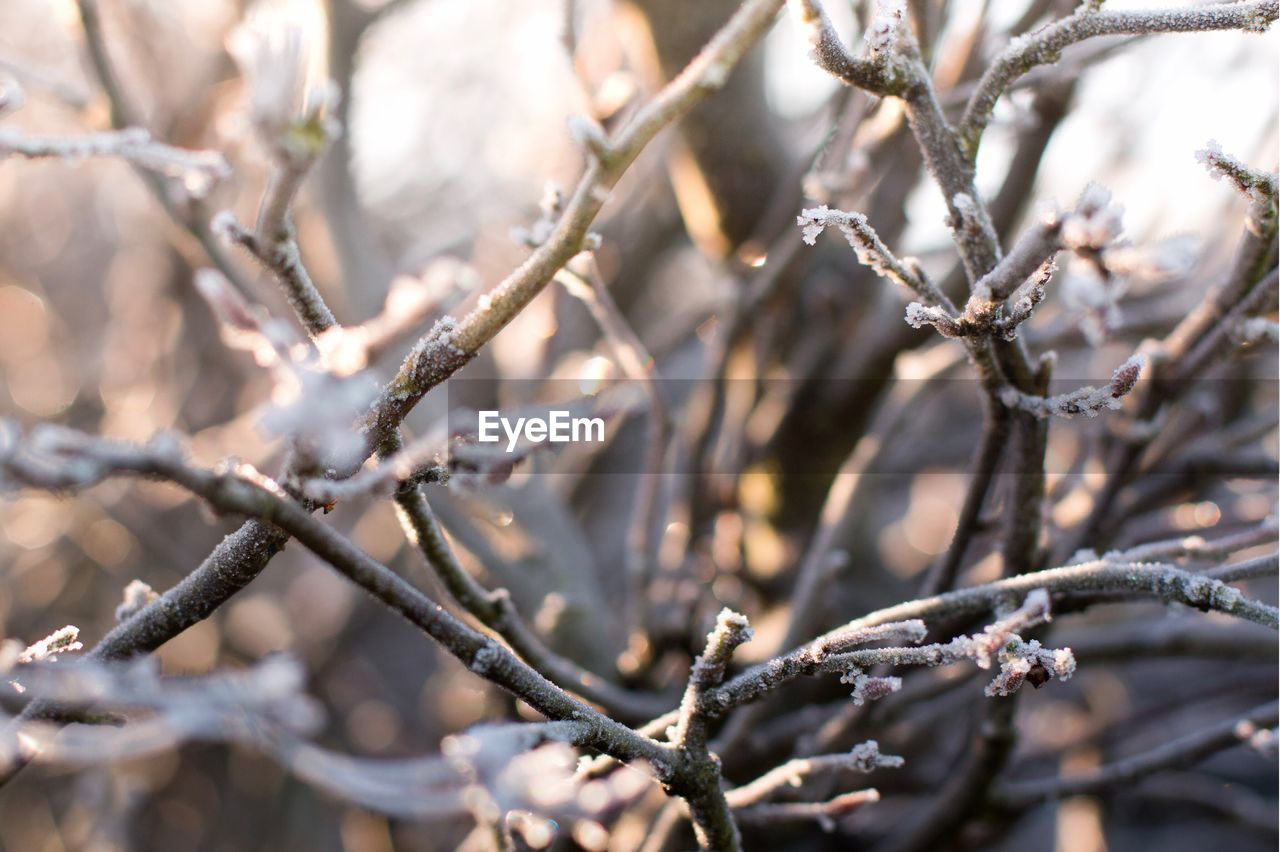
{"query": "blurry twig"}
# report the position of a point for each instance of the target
(123, 116)
(638, 365)
(198, 170)
(1184, 751)
(434, 360)
(293, 124)
(62, 459)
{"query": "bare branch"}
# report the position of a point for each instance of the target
(863, 758)
(198, 171)
(1184, 751)
(434, 360)
(1044, 47)
(824, 813)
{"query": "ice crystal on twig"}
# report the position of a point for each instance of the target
(1089, 400)
(1257, 185)
(885, 30)
(136, 596)
(1028, 662)
(868, 688)
(918, 315)
(870, 250)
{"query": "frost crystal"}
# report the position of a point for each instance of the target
(1258, 186)
(865, 757)
(1089, 400)
(867, 688)
(485, 659)
(59, 641)
(883, 33)
(1095, 223)
(1022, 662)
(136, 596)
(919, 315)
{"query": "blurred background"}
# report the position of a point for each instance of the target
(455, 116)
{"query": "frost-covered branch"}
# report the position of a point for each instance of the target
(1092, 226)
(1256, 185)
(1164, 582)
(873, 253)
(1195, 547)
(198, 171)
(1088, 400)
(808, 660)
(486, 771)
(864, 758)
(1044, 46)
(242, 555)
(422, 461)
(496, 610)
(878, 72)
(836, 653)
(60, 459)
(1249, 569)
(448, 347)
(124, 116)
(711, 814)
(61, 641)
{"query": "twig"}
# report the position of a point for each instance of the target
(293, 125)
(1044, 46)
(244, 554)
(436, 359)
(878, 74)
(991, 448)
(638, 365)
(497, 611)
(61, 459)
(1197, 547)
(710, 811)
(1088, 400)
(863, 758)
(873, 253)
(198, 170)
(1250, 569)
(1183, 751)
(824, 813)
(123, 116)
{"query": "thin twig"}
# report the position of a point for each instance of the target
(1183, 751)
(1044, 46)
